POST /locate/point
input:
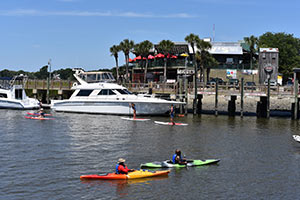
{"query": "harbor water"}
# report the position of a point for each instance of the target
(44, 159)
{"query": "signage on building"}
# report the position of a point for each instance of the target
(231, 73)
(185, 71)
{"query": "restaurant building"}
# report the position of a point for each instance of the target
(229, 55)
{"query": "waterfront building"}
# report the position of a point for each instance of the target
(229, 55)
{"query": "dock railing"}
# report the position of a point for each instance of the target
(173, 88)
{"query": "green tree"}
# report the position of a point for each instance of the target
(204, 58)
(165, 47)
(192, 39)
(252, 41)
(289, 48)
(126, 46)
(43, 73)
(114, 50)
(65, 74)
(143, 50)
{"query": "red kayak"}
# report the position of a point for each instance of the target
(38, 114)
(170, 123)
(38, 118)
(131, 175)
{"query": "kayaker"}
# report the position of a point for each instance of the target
(177, 159)
(121, 168)
(172, 115)
(41, 113)
(134, 110)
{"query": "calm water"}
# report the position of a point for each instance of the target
(44, 159)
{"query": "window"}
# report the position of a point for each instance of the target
(106, 92)
(84, 92)
(2, 95)
(122, 91)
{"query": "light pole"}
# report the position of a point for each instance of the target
(185, 55)
(48, 85)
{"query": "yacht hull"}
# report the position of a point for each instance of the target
(110, 107)
(15, 104)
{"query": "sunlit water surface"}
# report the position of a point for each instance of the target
(44, 159)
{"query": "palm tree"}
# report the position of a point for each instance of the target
(114, 50)
(252, 41)
(165, 47)
(126, 46)
(202, 55)
(145, 48)
(192, 39)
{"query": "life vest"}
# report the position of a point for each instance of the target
(174, 157)
(117, 170)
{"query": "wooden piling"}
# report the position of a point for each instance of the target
(216, 98)
(242, 97)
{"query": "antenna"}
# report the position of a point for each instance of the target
(213, 32)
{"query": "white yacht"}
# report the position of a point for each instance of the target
(13, 96)
(109, 98)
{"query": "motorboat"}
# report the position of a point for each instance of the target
(106, 97)
(13, 95)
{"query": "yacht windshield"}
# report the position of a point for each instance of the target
(84, 93)
(106, 92)
(2, 95)
(123, 91)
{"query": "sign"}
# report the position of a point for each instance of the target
(185, 71)
(231, 73)
(249, 71)
(268, 68)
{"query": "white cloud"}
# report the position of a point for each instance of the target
(32, 12)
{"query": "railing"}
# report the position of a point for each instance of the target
(173, 88)
(54, 84)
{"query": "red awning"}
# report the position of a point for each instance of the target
(139, 58)
(151, 57)
(130, 60)
(160, 55)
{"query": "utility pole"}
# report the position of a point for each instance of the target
(48, 82)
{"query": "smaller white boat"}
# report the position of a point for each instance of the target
(296, 137)
(13, 96)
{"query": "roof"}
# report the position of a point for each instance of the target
(269, 50)
(226, 48)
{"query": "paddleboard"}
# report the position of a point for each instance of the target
(38, 118)
(136, 119)
(296, 137)
(38, 114)
(170, 124)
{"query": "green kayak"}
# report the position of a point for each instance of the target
(169, 164)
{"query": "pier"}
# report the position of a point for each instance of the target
(215, 99)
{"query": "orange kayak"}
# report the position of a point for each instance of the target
(131, 175)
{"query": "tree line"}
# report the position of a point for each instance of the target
(42, 74)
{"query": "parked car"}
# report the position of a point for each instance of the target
(272, 83)
(213, 81)
(233, 82)
(250, 86)
(289, 83)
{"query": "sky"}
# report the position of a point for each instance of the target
(79, 33)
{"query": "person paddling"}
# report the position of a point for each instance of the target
(41, 113)
(134, 110)
(177, 159)
(172, 114)
(121, 168)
